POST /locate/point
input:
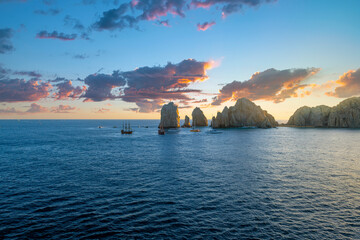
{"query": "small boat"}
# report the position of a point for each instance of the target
(126, 129)
(100, 127)
(214, 131)
(161, 130)
(193, 128)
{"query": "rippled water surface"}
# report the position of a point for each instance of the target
(70, 179)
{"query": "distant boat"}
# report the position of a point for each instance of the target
(126, 129)
(193, 129)
(100, 127)
(214, 131)
(161, 130)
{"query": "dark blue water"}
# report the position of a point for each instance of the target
(70, 179)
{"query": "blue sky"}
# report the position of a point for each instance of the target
(283, 34)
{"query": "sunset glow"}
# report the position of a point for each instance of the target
(91, 54)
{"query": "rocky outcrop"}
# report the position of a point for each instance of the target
(244, 114)
(345, 115)
(170, 116)
(199, 118)
(310, 116)
(187, 122)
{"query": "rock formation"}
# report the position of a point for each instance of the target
(199, 118)
(244, 114)
(311, 116)
(187, 122)
(345, 115)
(170, 116)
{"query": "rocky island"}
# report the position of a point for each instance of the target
(310, 116)
(244, 114)
(186, 122)
(170, 116)
(345, 115)
(199, 119)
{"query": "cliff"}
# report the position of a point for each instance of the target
(244, 114)
(311, 116)
(170, 116)
(199, 118)
(345, 115)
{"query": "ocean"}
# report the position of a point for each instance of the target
(69, 179)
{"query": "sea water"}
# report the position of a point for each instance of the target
(70, 179)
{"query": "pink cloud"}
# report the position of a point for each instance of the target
(16, 90)
(205, 26)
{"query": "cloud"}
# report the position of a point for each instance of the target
(36, 108)
(19, 90)
(5, 43)
(205, 26)
(101, 86)
(4, 72)
(147, 106)
(200, 101)
(63, 109)
(52, 12)
(75, 23)
(84, 32)
(56, 35)
(164, 23)
(149, 86)
(116, 19)
(154, 9)
(129, 14)
(102, 110)
(349, 85)
(270, 85)
(28, 73)
(229, 6)
(9, 110)
(66, 90)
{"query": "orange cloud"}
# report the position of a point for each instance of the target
(205, 26)
(16, 90)
(270, 85)
(348, 85)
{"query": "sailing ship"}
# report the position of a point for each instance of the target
(126, 129)
(193, 128)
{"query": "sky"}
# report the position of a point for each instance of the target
(117, 59)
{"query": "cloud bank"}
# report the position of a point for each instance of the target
(129, 14)
(270, 85)
(149, 86)
(349, 85)
(19, 90)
